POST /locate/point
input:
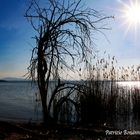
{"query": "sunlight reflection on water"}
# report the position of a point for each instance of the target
(129, 84)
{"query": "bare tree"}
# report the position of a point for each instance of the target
(64, 29)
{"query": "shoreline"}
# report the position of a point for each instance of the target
(36, 131)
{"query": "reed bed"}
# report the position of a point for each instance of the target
(107, 101)
(101, 99)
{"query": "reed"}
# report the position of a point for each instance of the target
(105, 99)
(100, 99)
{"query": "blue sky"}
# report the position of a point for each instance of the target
(123, 39)
(15, 37)
(16, 43)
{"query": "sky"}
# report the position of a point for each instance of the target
(16, 43)
(15, 39)
(123, 38)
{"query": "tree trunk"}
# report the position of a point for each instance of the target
(41, 80)
(44, 107)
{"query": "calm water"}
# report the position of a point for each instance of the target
(18, 101)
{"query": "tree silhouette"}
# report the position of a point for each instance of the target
(64, 29)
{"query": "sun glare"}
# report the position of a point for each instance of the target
(129, 84)
(130, 13)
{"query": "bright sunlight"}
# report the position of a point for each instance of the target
(131, 14)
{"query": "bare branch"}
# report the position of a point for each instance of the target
(64, 31)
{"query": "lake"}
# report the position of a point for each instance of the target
(18, 103)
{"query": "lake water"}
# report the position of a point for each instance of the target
(129, 84)
(18, 101)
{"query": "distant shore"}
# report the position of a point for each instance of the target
(3, 81)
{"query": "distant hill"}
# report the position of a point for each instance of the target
(12, 79)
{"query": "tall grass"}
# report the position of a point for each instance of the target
(106, 100)
(99, 99)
